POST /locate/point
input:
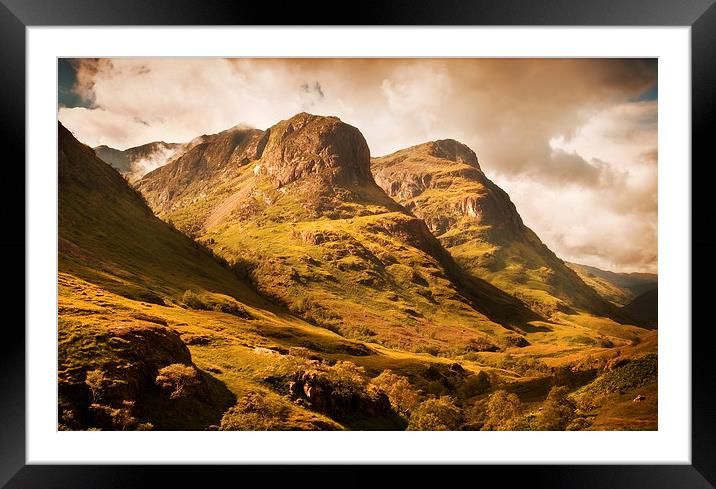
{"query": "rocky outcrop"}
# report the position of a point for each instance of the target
(127, 377)
(146, 348)
(449, 149)
(308, 144)
(344, 401)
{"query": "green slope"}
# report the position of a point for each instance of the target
(109, 236)
(297, 208)
(123, 311)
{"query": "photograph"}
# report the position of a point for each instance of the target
(371, 244)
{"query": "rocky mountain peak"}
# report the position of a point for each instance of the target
(308, 144)
(450, 149)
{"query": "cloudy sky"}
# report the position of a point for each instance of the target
(573, 141)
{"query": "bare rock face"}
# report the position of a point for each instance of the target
(452, 150)
(445, 165)
(307, 145)
(193, 172)
(154, 345)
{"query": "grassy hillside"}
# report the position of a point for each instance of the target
(306, 222)
(442, 183)
(360, 321)
(119, 267)
(108, 235)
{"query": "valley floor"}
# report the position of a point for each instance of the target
(266, 369)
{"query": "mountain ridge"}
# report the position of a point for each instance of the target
(309, 189)
(135, 162)
(480, 226)
(617, 287)
(308, 299)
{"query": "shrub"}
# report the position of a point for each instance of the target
(255, 411)
(475, 385)
(401, 394)
(578, 424)
(315, 313)
(178, 378)
(230, 308)
(429, 349)
(436, 414)
(532, 367)
(193, 300)
(501, 411)
(95, 380)
(121, 418)
(340, 391)
(556, 412)
(302, 352)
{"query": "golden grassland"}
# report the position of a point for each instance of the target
(239, 352)
(295, 316)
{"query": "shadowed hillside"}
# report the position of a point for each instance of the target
(645, 308)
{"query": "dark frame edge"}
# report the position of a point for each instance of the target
(703, 119)
(535, 476)
(12, 128)
(702, 474)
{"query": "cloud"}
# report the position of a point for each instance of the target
(566, 128)
(152, 161)
(312, 95)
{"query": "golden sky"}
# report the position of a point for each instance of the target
(573, 141)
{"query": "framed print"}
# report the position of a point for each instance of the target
(442, 235)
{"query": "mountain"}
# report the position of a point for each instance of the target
(645, 308)
(442, 183)
(297, 209)
(107, 234)
(135, 162)
(619, 288)
(157, 331)
(140, 301)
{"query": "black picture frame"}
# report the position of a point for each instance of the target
(16, 15)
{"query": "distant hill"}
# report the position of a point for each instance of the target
(619, 288)
(136, 162)
(297, 206)
(442, 183)
(645, 308)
